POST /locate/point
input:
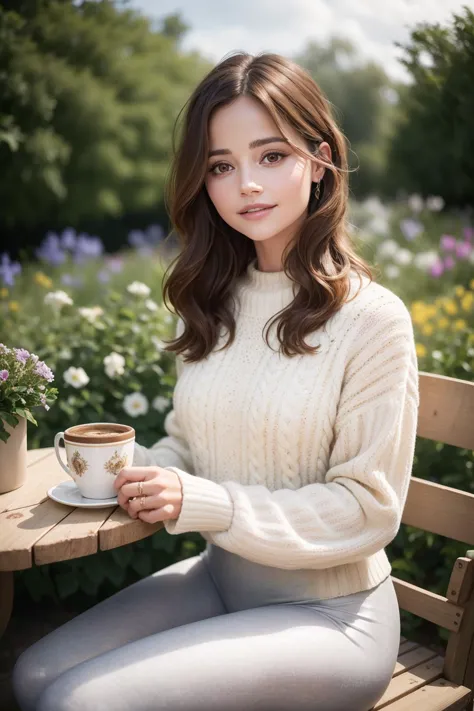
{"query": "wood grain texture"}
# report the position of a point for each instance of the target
(120, 529)
(22, 528)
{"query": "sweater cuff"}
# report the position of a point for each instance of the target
(206, 506)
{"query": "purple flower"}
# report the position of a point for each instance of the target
(115, 264)
(87, 247)
(70, 280)
(448, 243)
(103, 276)
(411, 228)
(449, 262)
(3, 375)
(68, 238)
(136, 238)
(463, 250)
(51, 250)
(154, 234)
(437, 269)
(9, 270)
(43, 370)
(21, 354)
(468, 233)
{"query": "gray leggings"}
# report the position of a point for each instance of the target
(186, 638)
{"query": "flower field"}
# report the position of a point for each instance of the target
(98, 320)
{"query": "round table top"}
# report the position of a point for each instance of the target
(35, 530)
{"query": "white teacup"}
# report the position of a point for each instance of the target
(96, 453)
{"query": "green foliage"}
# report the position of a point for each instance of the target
(76, 340)
(433, 148)
(359, 93)
(88, 97)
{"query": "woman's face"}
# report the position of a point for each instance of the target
(273, 174)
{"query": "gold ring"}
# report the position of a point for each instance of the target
(140, 488)
(142, 502)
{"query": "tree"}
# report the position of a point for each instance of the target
(359, 93)
(89, 92)
(432, 151)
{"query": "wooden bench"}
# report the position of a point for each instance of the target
(423, 680)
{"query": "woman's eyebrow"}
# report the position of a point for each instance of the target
(253, 144)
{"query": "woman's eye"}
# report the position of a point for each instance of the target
(271, 153)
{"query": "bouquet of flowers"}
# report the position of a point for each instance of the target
(24, 384)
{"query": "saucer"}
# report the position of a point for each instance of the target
(67, 493)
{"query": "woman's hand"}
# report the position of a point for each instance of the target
(158, 493)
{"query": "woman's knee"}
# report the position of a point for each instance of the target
(30, 677)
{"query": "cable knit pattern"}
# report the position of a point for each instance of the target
(301, 462)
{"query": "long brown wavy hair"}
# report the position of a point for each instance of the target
(213, 255)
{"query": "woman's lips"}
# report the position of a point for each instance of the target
(258, 214)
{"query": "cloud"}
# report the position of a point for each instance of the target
(218, 28)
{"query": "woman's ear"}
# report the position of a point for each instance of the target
(318, 170)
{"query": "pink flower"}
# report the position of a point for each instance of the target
(449, 262)
(437, 269)
(463, 250)
(3, 374)
(448, 243)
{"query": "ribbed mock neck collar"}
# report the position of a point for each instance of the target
(264, 293)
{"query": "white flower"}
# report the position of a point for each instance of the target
(137, 288)
(388, 248)
(425, 260)
(392, 271)
(415, 203)
(77, 377)
(437, 355)
(58, 299)
(91, 314)
(65, 353)
(114, 364)
(151, 305)
(403, 256)
(435, 203)
(135, 404)
(379, 224)
(160, 403)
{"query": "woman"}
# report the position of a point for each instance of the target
(291, 453)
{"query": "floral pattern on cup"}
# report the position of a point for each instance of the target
(116, 463)
(78, 464)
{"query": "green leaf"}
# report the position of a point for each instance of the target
(9, 418)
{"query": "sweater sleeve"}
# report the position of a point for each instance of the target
(173, 449)
(357, 509)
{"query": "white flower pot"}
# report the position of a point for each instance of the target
(13, 458)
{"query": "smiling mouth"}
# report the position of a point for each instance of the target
(257, 210)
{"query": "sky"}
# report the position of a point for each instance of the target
(218, 27)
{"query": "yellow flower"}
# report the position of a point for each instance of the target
(14, 306)
(467, 301)
(450, 307)
(459, 325)
(427, 329)
(4, 293)
(43, 280)
(459, 291)
(420, 350)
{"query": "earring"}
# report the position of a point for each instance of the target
(317, 190)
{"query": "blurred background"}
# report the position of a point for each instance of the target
(89, 93)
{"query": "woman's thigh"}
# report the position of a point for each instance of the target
(176, 595)
(281, 657)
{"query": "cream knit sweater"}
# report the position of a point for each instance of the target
(302, 462)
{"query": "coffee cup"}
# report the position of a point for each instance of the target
(96, 453)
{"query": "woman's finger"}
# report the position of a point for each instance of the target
(134, 474)
(132, 489)
(146, 503)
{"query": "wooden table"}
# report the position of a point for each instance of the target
(35, 530)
